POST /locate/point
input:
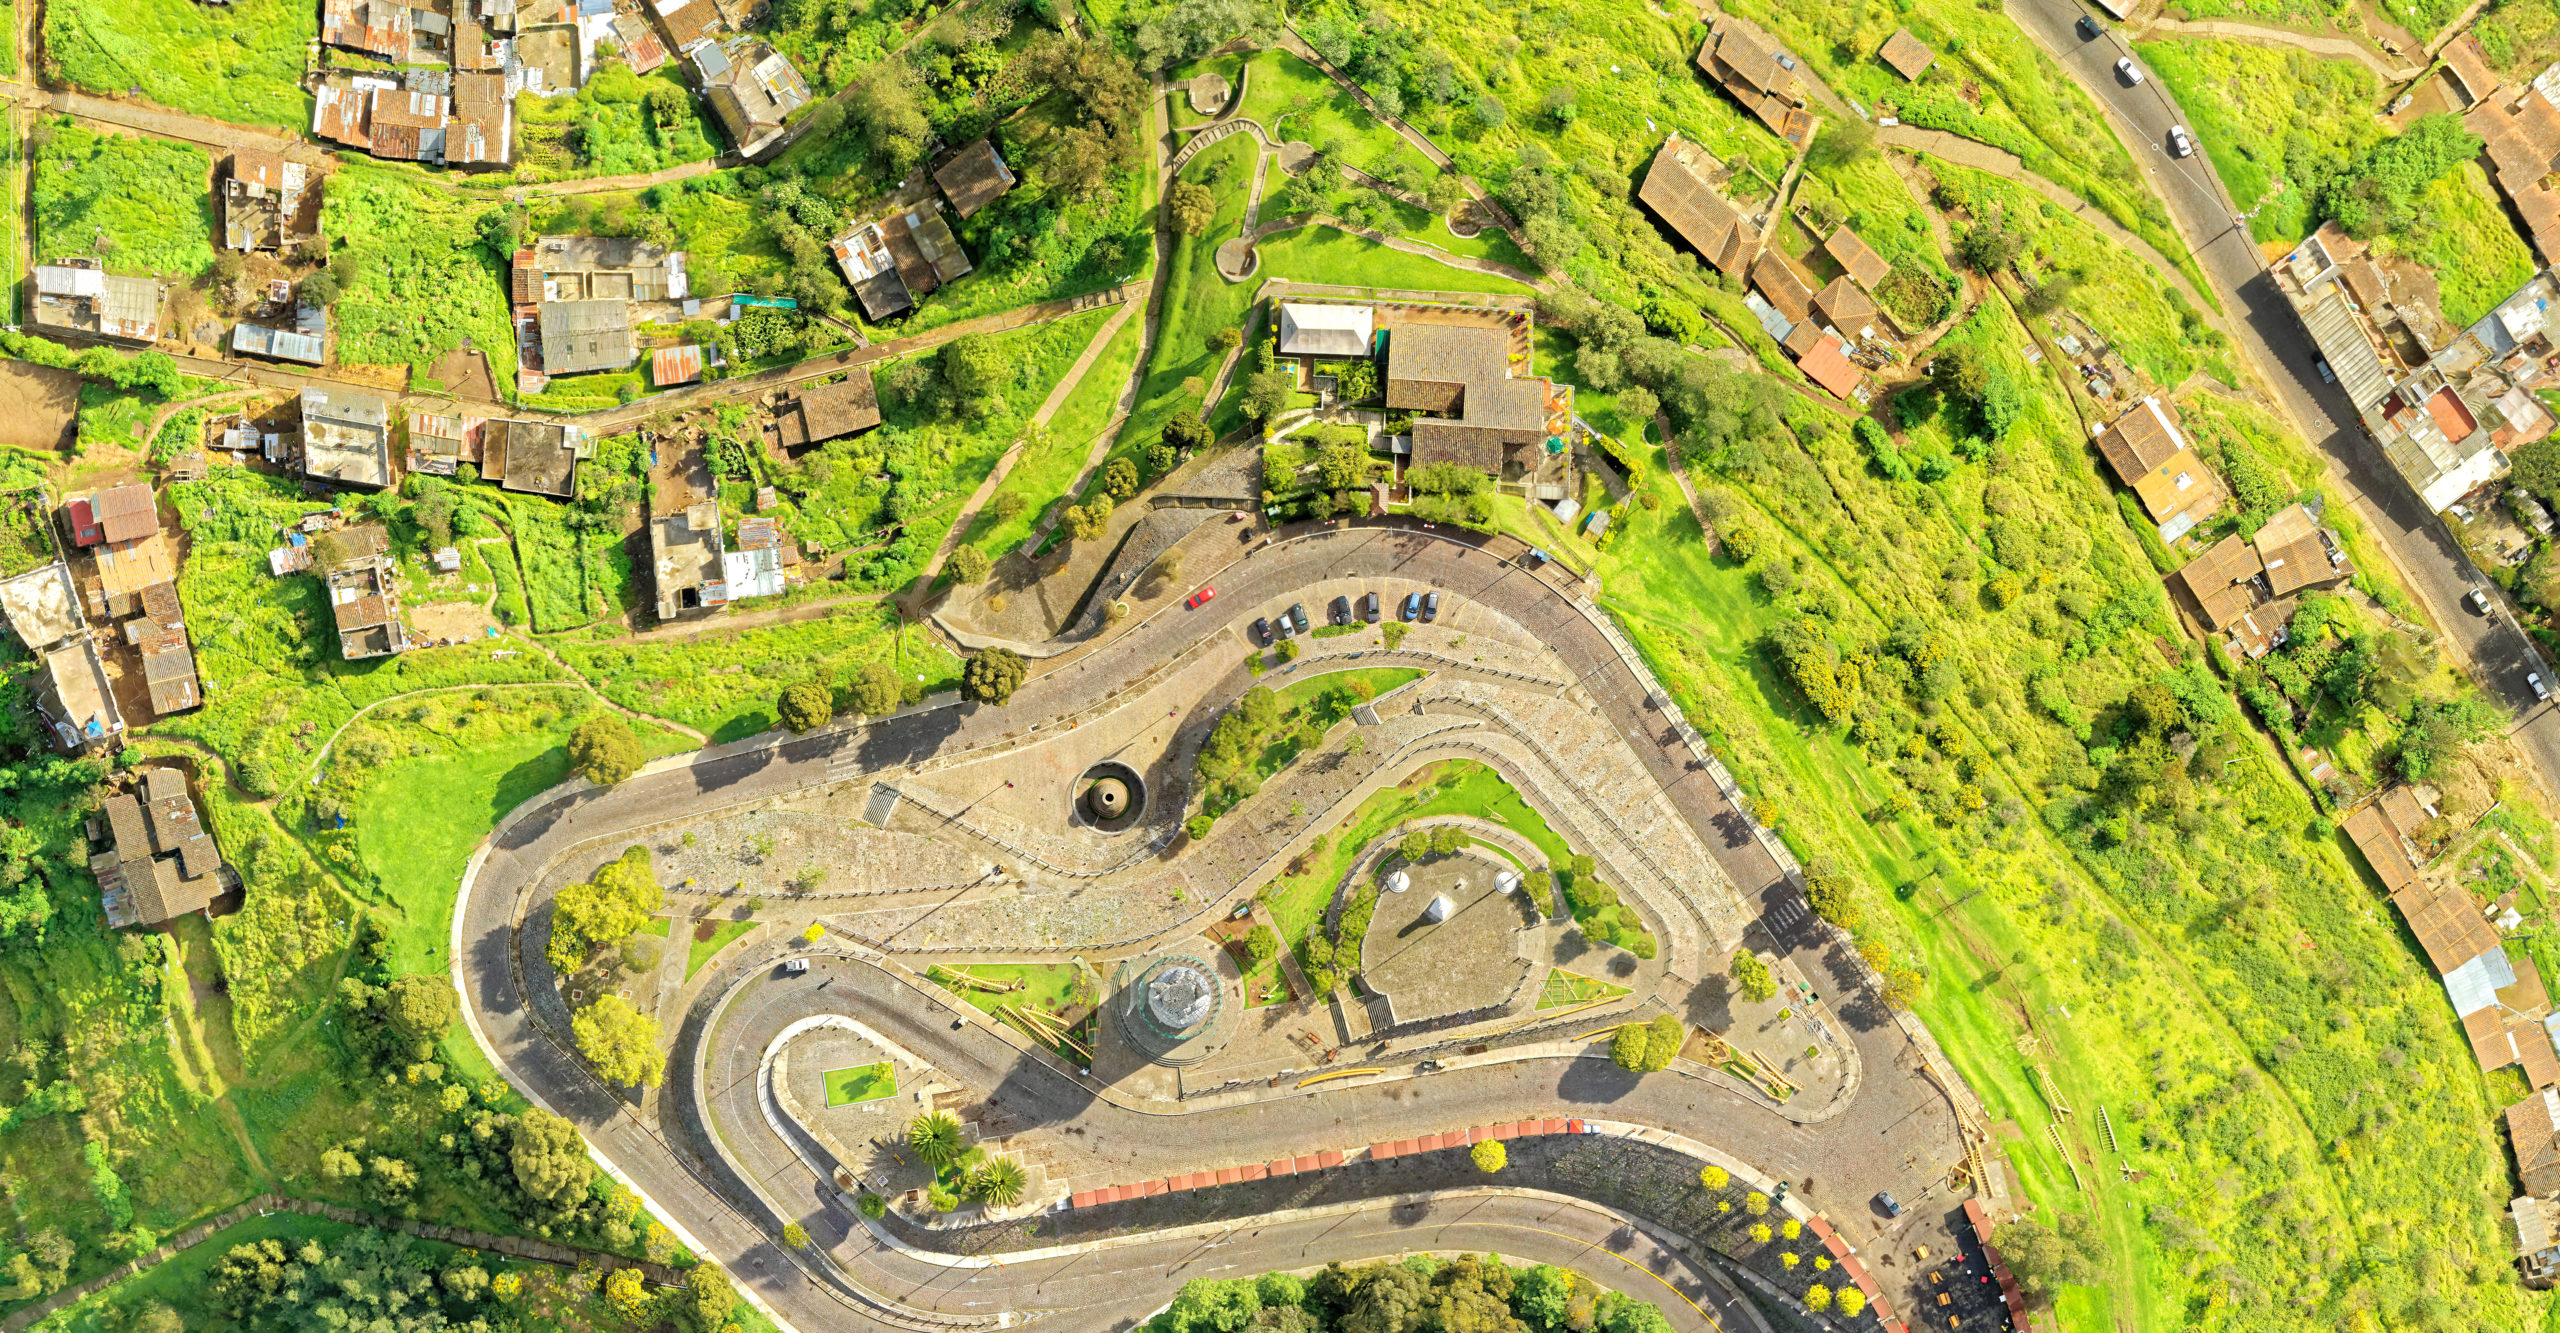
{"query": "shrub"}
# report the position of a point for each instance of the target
(1752, 976)
(805, 706)
(970, 565)
(604, 749)
(1490, 1156)
(992, 675)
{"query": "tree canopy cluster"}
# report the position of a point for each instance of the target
(1647, 1048)
(2378, 192)
(1423, 1294)
(605, 909)
(992, 675)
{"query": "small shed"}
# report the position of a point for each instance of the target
(1908, 56)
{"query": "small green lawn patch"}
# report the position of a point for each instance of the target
(1563, 990)
(705, 948)
(861, 1083)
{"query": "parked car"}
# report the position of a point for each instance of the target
(1412, 605)
(2130, 72)
(1286, 629)
(1298, 615)
(1369, 608)
(1261, 632)
(1195, 600)
(2089, 29)
(2479, 599)
(2541, 692)
(1431, 607)
(2321, 364)
(1892, 1206)
(1339, 613)
(2179, 144)
(1538, 556)
(796, 967)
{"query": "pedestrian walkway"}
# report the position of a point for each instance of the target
(2263, 35)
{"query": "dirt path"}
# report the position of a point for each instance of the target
(160, 418)
(2335, 47)
(1049, 408)
(2004, 164)
(1371, 234)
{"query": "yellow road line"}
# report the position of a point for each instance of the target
(1340, 1073)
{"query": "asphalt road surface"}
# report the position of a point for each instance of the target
(1898, 1134)
(2435, 568)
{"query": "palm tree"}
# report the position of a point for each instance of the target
(935, 1137)
(999, 1181)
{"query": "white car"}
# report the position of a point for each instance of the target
(2541, 691)
(2479, 599)
(2179, 144)
(2131, 72)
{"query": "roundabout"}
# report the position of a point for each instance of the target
(1095, 960)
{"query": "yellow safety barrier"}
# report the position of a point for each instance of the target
(1340, 1073)
(1609, 1031)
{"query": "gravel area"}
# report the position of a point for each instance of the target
(770, 854)
(1148, 538)
(1044, 917)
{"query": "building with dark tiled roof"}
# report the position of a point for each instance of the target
(2533, 1128)
(2148, 453)
(2467, 75)
(1784, 284)
(1905, 54)
(824, 412)
(1851, 252)
(364, 596)
(1476, 413)
(160, 861)
(975, 177)
(1842, 306)
(1676, 188)
(2223, 581)
(1750, 67)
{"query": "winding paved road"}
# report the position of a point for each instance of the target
(1899, 1134)
(2424, 551)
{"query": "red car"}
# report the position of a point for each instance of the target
(1199, 597)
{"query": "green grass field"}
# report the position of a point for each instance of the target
(1297, 899)
(142, 205)
(239, 62)
(725, 684)
(418, 280)
(861, 1083)
(1041, 475)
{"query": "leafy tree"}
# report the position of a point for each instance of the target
(973, 368)
(1559, 103)
(1185, 431)
(1714, 1177)
(1213, 1305)
(879, 690)
(320, 289)
(1832, 896)
(2046, 1259)
(620, 1041)
(1752, 977)
(1852, 1302)
(805, 705)
(999, 1181)
(1267, 394)
(1988, 247)
(604, 749)
(707, 1300)
(970, 565)
(1190, 208)
(1189, 28)
(420, 1007)
(2378, 193)
(1120, 479)
(992, 675)
(1088, 521)
(1490, 1156)
(1817, 1298)
(627, 1292)
(1844, 140)
(935, 1138)
(1226, 340)
(1260, 944)
(154, 1317)
(609, 907)
(1490, 113)
(549, 1158)
(1197, 827)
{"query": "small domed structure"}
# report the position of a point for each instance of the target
(1399, 882)
(1439, 909)
(1180, 997)
(1508, 881)
(1107, 799)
